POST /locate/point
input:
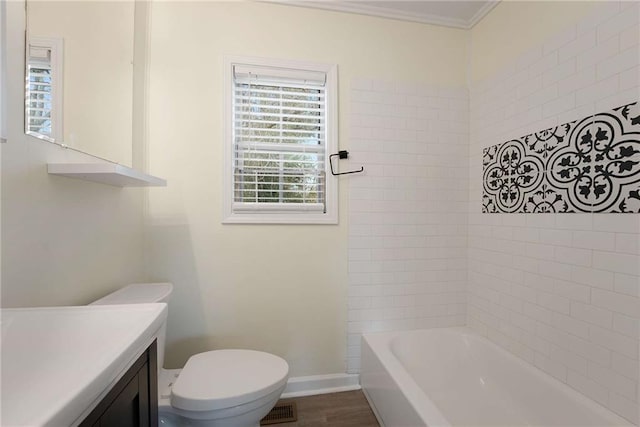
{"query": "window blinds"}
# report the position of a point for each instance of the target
(39, 91)
(279, 139)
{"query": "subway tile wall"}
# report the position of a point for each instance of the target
(561, 291)
(408, 210)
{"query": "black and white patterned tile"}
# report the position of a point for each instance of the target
(547, 199)
(590, 165)
(512, 173)
(544, 142)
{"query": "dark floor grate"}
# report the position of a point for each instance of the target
(283, 412)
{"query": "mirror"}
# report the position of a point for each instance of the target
(80, 75)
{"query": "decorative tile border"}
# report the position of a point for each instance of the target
(589, 165)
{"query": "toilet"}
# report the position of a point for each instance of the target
(220, 388)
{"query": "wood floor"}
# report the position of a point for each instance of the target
(346, 409)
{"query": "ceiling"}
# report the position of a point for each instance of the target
(450, 13)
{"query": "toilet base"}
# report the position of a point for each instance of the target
(247, 415)
(168, 417)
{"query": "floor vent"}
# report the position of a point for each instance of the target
(283, 412)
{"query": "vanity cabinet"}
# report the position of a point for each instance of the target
(133, 401)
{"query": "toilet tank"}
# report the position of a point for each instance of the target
(141, 293)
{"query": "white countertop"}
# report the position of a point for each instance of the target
(58, 362)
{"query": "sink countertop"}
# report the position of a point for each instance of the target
(58, 362)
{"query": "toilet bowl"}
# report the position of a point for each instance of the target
(220, 388)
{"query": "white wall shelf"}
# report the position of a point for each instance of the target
(106, 173)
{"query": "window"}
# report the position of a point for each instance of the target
(43, 109)
(280, 130)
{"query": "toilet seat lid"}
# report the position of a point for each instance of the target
(225, 378)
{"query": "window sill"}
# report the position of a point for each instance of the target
(281, 218)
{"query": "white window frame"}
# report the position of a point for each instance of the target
(270, 214)
(56, 49)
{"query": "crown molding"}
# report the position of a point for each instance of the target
(383, 12)
(482, 12)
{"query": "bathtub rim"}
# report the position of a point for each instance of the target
(431, 415)
(415, 395)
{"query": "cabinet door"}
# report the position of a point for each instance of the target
(133, 401)
(130, 408)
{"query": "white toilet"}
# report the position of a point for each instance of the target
(221, 388)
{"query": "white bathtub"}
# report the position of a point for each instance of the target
(454, 377)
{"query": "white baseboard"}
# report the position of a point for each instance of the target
(321, 384)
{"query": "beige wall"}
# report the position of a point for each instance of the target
(64, 241)
(281, 289)
(513, 27)
(98, 71)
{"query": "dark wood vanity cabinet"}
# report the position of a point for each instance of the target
(133, 401)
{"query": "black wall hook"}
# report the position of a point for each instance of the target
(342, 154)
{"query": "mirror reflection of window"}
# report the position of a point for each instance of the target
(43, 109)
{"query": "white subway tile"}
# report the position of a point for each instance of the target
(537, 312)
(562, 71)
(525, 60)
(363, 267)
(560, 40)
(573, 256)
(574, 221)
(598, 91)
(591, 314)
(630, 79)
(536, 100)
(614, 341)
(358, 279)
(588, 387)
(558, 106)
(625, 366)
(356, 303)
(617, 99)
(616, 25)
(554, 303)
(616, 223)
(554, 269)
(626, 325)
(529, 87)
(627, 243)
(514, 220)
(536, 343)
(591, 277)
(575, 47)
(526, 234)
(630, 37)
(358, 327)
(547, 62)
(576, 114)
(540, 251)
(627, 284)
(591, 351)
(600, 14)
(624, 304)
(612, 380)
(523, 322)
(621, 62)
(594, 240)
(571, 325)
(571, 290)
(555, 237)
(616, 262)
(522, 351)
(553, 368)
